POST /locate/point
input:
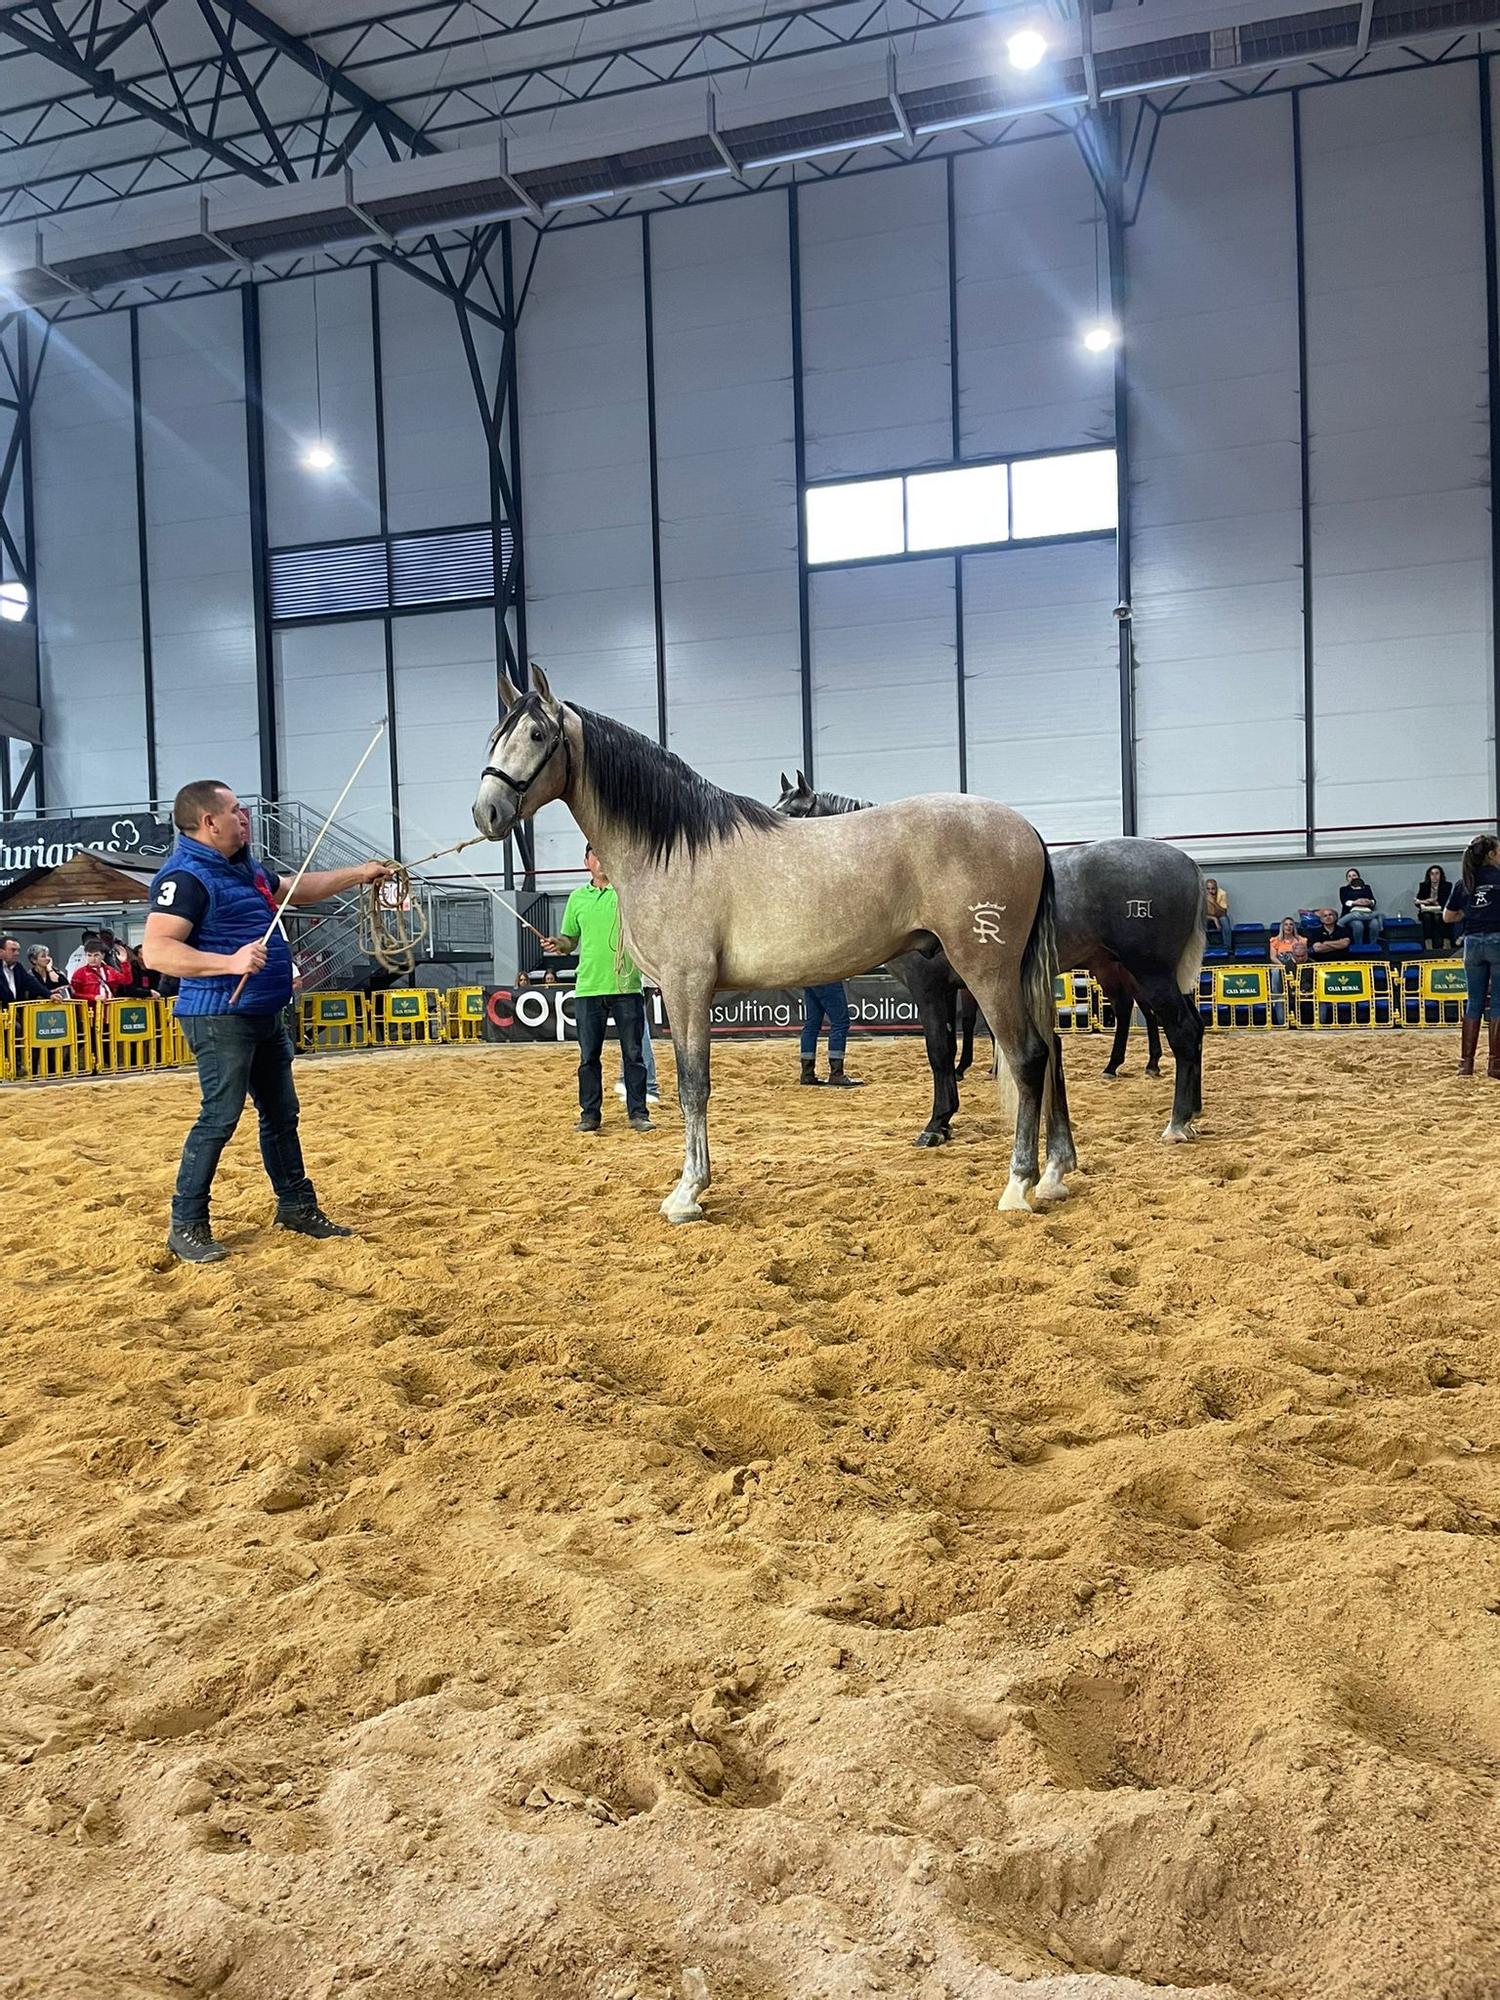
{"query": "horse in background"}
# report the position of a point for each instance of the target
(719, 893)
(1129, 910)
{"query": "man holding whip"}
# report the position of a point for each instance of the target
(215, 925)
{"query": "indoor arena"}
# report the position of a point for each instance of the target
(749, 1000)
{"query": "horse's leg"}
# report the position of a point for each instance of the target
(1117, 993)
(1153, 1039)
(1022, 1054)
(687, 1004)
(931, 988)
(1184, 1032)
(968, 1013)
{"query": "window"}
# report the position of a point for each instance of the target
(852, 523)
(944, 510)
(1072, 495)
(962, 507)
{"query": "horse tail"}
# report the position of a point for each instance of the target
(1039, 976)
(1191, 962)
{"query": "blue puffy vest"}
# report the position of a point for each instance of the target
(240, 905)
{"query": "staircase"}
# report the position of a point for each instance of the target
(325, 941)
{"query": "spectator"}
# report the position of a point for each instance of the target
(1289, 946)
(1328, 940)
(1216, 914)
(648, 1057)
(90, 939)
(1433, 892)
(16, 983)
(1359, 915)
(831, 1004)
(97, 979)
(1476, 899)
(45, 973)
(143, 981)
(607, 983)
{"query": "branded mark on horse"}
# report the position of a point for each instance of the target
(720, 892)
(1130, 910)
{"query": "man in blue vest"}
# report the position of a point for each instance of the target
(211, 904)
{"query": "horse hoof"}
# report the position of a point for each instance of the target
(1013, 1201)
(1153, 1069)
(929, 1137)
(691, 1211)
(1179, 1135)
(1052, 1189)
(1110, 1075)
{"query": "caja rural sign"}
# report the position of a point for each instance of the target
(877, 1006)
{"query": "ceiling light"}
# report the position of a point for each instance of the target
(1099, 339)
(1026, 48)
(318, 457)
(15, 601)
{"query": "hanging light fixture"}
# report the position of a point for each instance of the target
(1099, 336)
(1026, 48)
(318, 455)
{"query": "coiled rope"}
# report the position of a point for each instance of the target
(392, 922)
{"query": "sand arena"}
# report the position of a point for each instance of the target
(859, 1593)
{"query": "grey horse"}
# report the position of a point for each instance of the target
(719, 892)
(1130, 910)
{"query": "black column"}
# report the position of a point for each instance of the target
(799, 438)
(1309, 780)
(255, 457)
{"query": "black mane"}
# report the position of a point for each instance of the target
(653, 795)
(828, 805)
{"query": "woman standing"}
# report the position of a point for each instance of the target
(1476, 900)
(1432, 899)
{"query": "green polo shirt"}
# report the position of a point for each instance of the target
(604, 965)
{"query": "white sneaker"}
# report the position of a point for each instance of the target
(653, 1098)
(620, 1090)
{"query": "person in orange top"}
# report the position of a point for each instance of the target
(1289, 946)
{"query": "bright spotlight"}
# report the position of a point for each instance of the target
(1026, 48)
(318, 457)
(15, 601)
(1099, 339)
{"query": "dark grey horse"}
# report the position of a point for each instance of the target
(1129, 910)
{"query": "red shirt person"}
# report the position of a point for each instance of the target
(94, 980)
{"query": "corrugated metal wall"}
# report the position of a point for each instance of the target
(940, 310)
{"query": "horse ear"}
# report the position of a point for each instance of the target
(539, 682)
(786, 784)
(802, 784)
(510, 694)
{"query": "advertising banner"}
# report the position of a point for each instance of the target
(878, 1005)
(26, 844)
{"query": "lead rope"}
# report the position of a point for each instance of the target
(392, 922)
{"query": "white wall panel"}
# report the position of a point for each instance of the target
(88, 582)
(885, 680)
(1216, 476)
(1041, 684)
(437, 465)
(296, 352)
(445, 709)
(330, 696)
(199, 545)
(728, 493)
(1029, 260)
(874, 259)
(1397, 416)
(586, 484)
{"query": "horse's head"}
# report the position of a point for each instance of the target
(796, 801)
(529, 763)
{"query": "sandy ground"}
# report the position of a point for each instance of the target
(857, 1593)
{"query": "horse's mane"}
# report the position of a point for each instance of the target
(650, 793)
(828, 805)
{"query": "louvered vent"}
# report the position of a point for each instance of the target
(321, 582)
(340, 579)
(436, 569)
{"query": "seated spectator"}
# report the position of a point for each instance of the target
(1289, 946)
(45, 973)
(143, 981)
(96, 979)
(1216, 914)
(1359, 916)
(1434, 892)
(1328, 940)
(16, 982)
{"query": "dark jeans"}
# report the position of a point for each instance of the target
(820, 1004)
(1482, 975)
(240, 1054)
(592, 1011)
(1434, 931)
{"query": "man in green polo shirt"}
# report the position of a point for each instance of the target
(607, 983)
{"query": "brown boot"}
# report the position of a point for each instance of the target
(1470, 1044)
(1494, 1064)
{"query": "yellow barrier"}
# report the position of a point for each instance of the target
(1433, 993)
(1074, 1000)
(1248, 996)
(333, 1021)
(127, 1034)
(463, 1014)
(54, 1038)
(1360, 995)
(175, 1053)
(7, 1044)
(405, 1014)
